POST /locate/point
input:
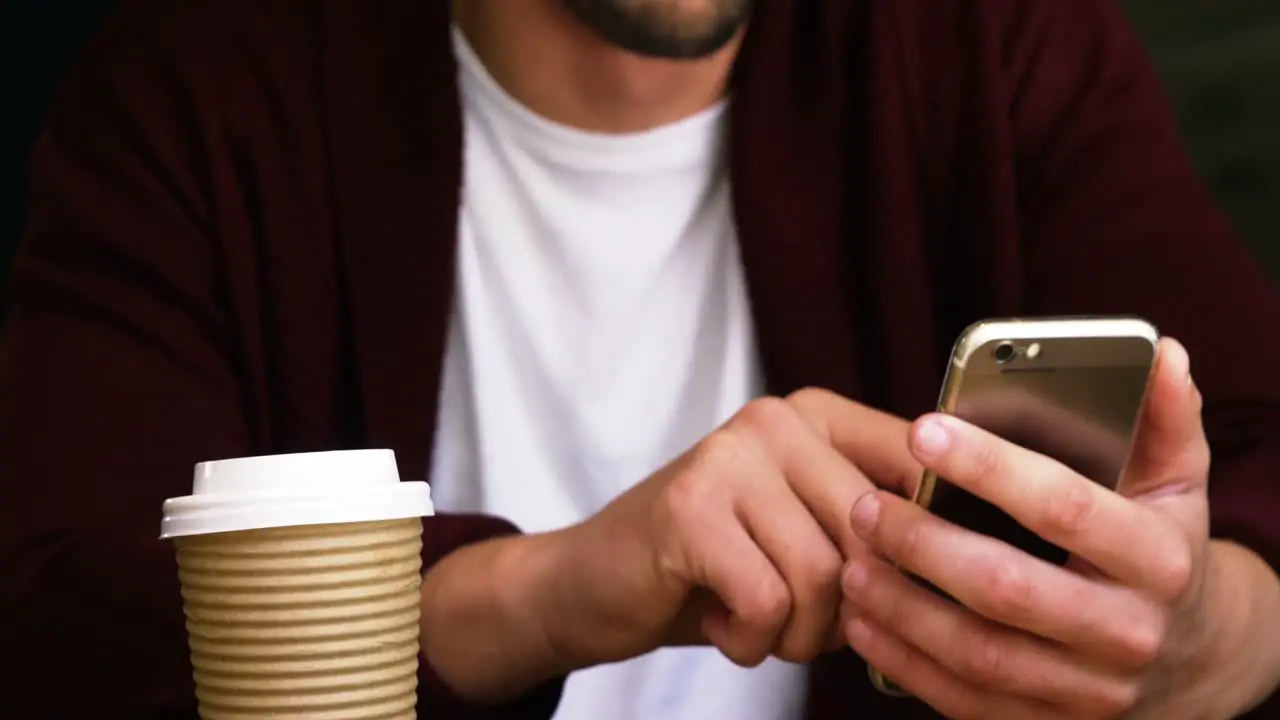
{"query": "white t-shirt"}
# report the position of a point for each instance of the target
(600, 328)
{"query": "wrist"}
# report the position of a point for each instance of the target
(1244, 600)
(533, 577)
(484, 626)
(593, 589)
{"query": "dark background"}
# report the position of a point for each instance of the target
(1220, 60)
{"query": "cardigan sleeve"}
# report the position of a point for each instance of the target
(117, 373)
(1116, 221)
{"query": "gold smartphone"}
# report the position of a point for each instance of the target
(1070, 388)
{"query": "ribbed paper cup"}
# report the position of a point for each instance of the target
(313, 622)
(316, 620)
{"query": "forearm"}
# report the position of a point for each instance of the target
(1248, 661)
(484, 624)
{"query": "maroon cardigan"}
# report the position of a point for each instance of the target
(243, 237)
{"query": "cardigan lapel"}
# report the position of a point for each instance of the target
(395, 137)
(794, 183)
(789, 158)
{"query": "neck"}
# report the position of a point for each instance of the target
(545, 58)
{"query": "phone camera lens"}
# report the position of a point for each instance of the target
(1004, 352)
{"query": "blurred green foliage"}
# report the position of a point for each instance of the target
(1220, 60)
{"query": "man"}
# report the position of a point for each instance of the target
(558, 254)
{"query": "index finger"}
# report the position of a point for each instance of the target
(876, 442)
(777, 435)
(1124, 539)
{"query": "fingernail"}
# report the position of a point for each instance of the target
(931, 438)
(1180, 361)
(865, 513)
(855, 577)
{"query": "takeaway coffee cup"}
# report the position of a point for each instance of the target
(300, 583)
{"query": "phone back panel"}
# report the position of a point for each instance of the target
(1071, 389)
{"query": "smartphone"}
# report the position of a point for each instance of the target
(1070, 388)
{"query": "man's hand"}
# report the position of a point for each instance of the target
(1134, 626)
(741, 541)
(738, 543)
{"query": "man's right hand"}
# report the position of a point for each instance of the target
(739, 543)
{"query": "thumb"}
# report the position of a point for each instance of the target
(1170, 452)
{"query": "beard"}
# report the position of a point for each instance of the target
(671, 29)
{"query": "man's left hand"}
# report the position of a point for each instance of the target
(1128, 628)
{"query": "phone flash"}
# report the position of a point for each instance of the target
(1033, 351)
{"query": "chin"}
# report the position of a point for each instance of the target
(668, 29)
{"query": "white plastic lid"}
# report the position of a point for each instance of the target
(300, 489)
